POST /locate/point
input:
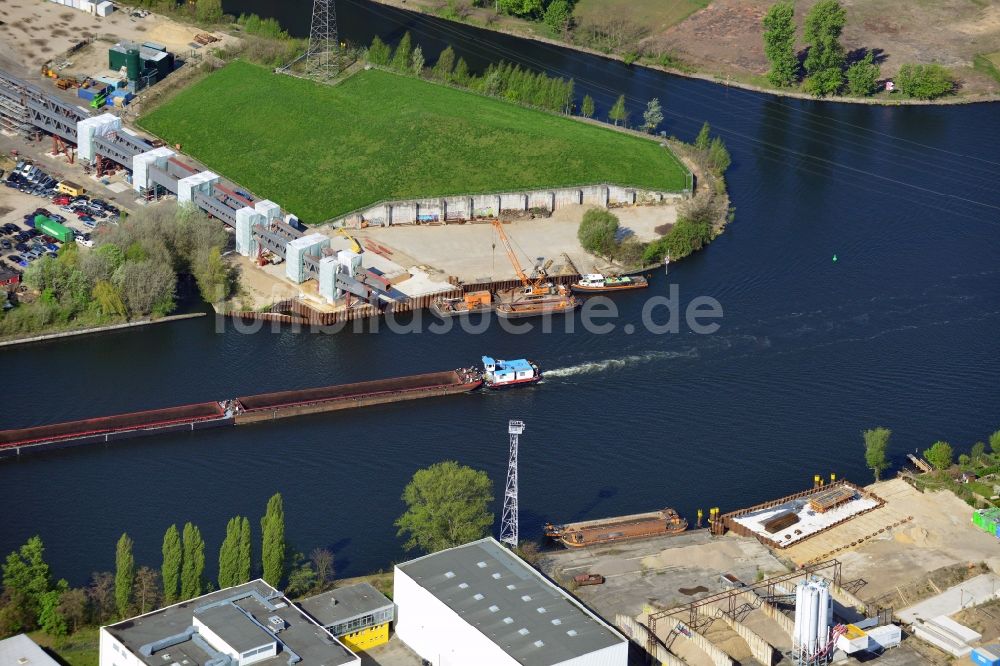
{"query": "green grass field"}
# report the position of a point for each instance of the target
(323, 151)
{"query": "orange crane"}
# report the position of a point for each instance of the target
(536, 287)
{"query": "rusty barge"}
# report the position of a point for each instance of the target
(666, 522)
(238, 411)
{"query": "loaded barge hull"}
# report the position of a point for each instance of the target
(245, 410)
(285, 404)
(104, 429)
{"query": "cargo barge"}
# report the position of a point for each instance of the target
(621, 528)
(239, 411)
(105, 429)
(283, 404)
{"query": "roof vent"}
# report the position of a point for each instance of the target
(449, 574)
(523, 631)
(508, 620)
(539, 644)
(525, 598)
(511, 587)
(556, 621)
(571, 632)
(463, 586)
(494, 608)
(496, 576)
(477, 596)
(22, 660)
(540, 609)
(481, 565)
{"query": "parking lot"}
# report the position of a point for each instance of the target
(31, 194)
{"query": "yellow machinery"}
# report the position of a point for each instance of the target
(532, 287)
(48, 72)
(355, 245)
(477, 299)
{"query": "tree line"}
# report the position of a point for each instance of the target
(940, 455)
(503, 80)
(133, 271)
(33, 599)
(825, 69)
(203, 11)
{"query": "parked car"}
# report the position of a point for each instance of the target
(19, 260)
(6, 244)
(86, 218)
(90, 223)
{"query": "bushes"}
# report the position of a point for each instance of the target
(597, 232)
(132, 273)
(862, 76)
(692, 231)
(685, 237)
(924, 81)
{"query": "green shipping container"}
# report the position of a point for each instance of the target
(53, 229)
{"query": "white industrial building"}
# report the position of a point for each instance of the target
(480, 604)
(247, 624)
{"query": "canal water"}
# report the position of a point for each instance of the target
(901, 330)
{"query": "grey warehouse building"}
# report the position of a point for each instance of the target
(481, 604)
(238, 626)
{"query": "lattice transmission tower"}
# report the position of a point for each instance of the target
(508, 524)
(322, 61)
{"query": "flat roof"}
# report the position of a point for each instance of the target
(530, 618)
(234, 627)
(16, 648)
(345, 603)
(302, 636)
(517, 365)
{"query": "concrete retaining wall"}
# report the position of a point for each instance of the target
(772, 611)
(466, 206)
(761, 650)
(639, 635)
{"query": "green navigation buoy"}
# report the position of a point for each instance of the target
(835, 258)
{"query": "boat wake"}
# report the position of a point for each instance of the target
(593, 367)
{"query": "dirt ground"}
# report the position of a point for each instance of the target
(33, 32)
(472, 253)
(725, 37)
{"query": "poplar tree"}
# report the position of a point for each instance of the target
(617, 113)
(824, 23)
(653, 115)
(417, 61)
(379, 53)
(587, 107)
(229, 554)
(273, 547)
(244, 559)
(124, 575)
(401, 58)
(170, 572)
(444, 65)
(461, 73)
(779, 44)
(703, 140)
(193, 565)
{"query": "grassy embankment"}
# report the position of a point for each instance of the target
(79, 649)
(323, 151)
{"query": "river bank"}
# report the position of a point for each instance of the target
(527, 30)
(45, 337)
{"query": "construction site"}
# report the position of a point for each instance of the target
(837, 573)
